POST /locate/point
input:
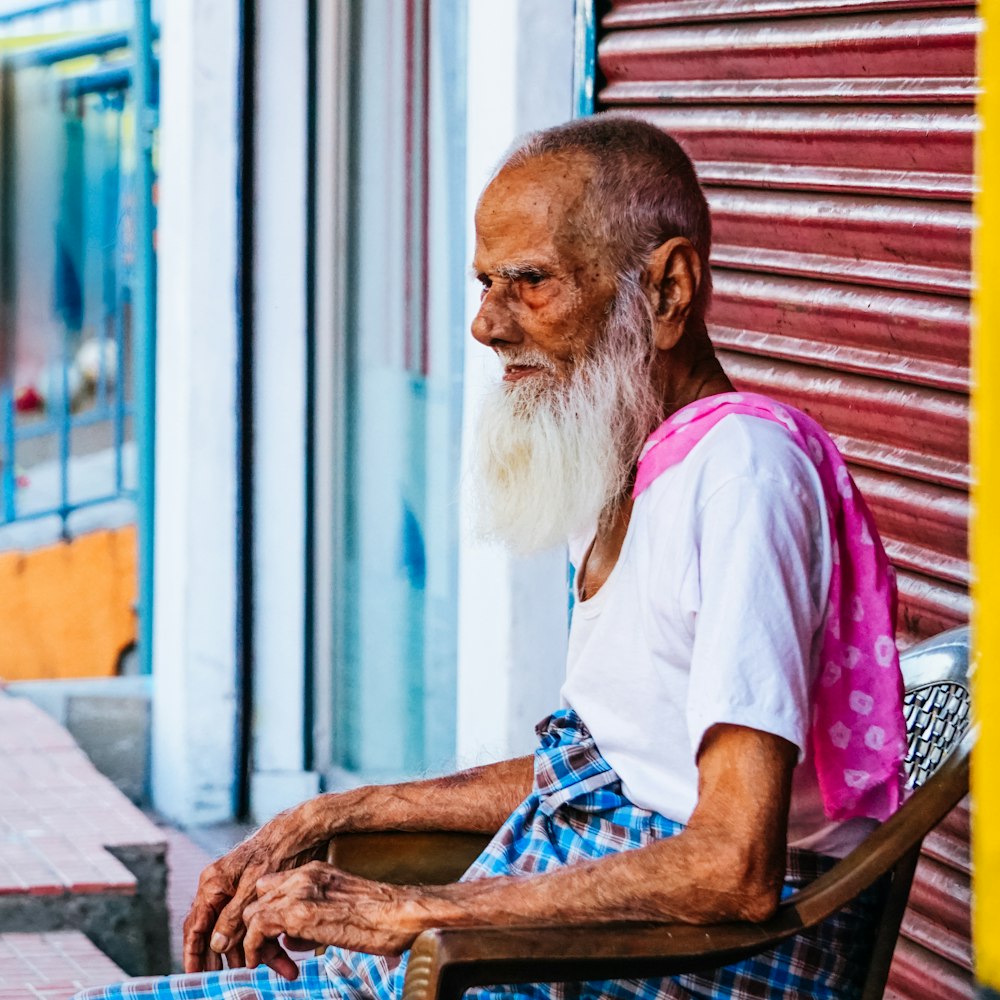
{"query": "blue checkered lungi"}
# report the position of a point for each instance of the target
(575, 811)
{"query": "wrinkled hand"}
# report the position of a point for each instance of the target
(215, 925)
(321, 903)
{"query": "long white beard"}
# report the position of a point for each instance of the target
(552, 456)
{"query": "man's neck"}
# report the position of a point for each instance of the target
(606, 547)
(689, 371)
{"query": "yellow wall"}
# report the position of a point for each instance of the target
(68, 610)
(986, 520)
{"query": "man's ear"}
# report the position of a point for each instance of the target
(671, 280)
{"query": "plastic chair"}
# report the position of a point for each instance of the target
(445, 962)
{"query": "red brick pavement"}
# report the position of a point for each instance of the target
(51, 966)
(59, 813)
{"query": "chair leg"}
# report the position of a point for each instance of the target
(888, 930)
(423, 972)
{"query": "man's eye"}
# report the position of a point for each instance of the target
(486, 283)
(534, 277)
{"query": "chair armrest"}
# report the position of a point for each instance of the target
(446, 962)
(405, 858)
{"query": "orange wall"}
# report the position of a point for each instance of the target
(67, 610)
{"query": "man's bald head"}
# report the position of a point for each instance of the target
(642, 191)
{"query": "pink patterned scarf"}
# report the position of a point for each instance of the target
(858, 730)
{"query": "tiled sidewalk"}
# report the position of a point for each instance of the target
(58, 879)
(55, 965)
(51, 966)
(59, 814)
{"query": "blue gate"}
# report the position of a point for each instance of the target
(77, 286)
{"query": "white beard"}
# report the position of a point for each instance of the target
(552, 456)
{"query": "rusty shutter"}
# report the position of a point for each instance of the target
(835, 142)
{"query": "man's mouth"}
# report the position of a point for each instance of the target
(513, 373)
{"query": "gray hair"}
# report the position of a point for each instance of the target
(644, 190)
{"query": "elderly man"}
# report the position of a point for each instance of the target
(731, 714)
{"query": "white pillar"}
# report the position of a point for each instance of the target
(512, 612)
(280, 444)
(194, 644)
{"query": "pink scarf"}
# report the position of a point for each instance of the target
(858, 730)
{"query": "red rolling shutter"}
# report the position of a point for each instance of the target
(835, 142)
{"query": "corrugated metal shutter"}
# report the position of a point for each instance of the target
(835, 141)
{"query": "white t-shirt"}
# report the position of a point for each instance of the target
(711, 614)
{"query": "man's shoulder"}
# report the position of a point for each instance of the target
(744, 447)
(745, 471)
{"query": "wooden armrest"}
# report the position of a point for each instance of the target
(444, 963)
(404, 858)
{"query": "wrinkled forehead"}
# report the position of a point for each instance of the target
(538, 203)
(554, 176)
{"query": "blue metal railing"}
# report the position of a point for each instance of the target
(105, 87)
(10, 444)
(145, 312)
(584, 57)
(73, 48)
(32, 10)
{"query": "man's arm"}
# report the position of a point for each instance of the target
(728, 863)
(477, 800)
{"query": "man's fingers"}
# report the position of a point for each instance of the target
(268, 882)
(262, 946)
(235, 957)
(300, 944)
(230, 927)
(212, 962)
(260, 940)
(198, 926)
(198, 956)
(195, 947)
(280, 962)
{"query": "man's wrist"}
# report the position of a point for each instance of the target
(419, 909)
(306, 825)
(284, 835)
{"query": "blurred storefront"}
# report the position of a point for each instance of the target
(69, 190)
(321, 618)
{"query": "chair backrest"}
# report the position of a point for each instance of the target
(937, 702)
(935, 674)
(937, 709)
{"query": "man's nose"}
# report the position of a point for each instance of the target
(493, 324)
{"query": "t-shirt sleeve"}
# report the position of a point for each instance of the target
(760, 595)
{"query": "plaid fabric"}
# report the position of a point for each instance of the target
(577, 811)
(236, 984)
